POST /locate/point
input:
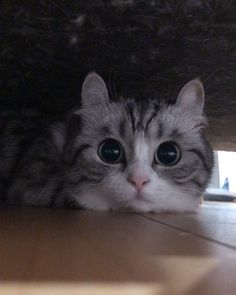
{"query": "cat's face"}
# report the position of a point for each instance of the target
(141, 156)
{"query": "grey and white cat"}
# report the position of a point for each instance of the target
(121, 155)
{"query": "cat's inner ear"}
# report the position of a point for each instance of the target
(191, 97)
(94, 90)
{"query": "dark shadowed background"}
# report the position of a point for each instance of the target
(141, 48)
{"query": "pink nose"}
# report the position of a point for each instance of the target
(138, 181)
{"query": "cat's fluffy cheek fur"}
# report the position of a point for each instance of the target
(111, 195)
(165, 197)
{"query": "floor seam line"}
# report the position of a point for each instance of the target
(189, 232)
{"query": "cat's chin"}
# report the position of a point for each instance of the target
(188, 204)
(181, 203)
(148, 209)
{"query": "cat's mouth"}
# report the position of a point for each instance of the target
(138, 203)
(138, 197)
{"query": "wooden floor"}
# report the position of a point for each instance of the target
(45, 251)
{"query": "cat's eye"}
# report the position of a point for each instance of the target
(167, 154)
(111, 151)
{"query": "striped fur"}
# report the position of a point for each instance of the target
(56, 163)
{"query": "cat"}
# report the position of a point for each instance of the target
(141, 156)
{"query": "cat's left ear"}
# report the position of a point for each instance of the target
(191, 97)
(94, 90)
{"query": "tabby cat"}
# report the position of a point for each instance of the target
(122, 155)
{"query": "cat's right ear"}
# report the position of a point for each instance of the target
(191, 97)
(94, 90)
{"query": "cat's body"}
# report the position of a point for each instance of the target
(123, 155)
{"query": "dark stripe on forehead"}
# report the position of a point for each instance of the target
(130, 112)
(106, 130)
(122, 128)
(139, 126)
(131, 115)
(199, 154)
(175, 133)
(160, 130)
(142, 112)
(149, 121)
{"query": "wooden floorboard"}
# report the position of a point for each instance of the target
(214, 221)
(45, 251)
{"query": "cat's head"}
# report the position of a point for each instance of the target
(141, 156)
